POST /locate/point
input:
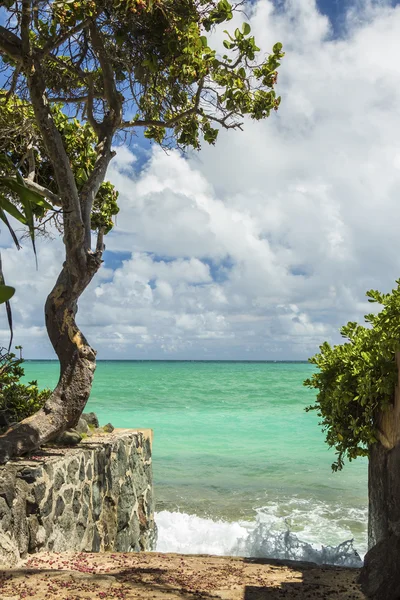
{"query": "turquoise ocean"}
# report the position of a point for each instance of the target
(239, 466)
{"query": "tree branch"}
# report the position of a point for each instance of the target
(174, 120)
(25, 27)
(100, 241)
(73, 99)
(92, 121)
(110, 88)
(13, 85)
(54, 44)
(93, 183)
(224, 123)
(44, 192)
(74, 231)
(31, 163)
(77, 71)
(10, 44)
(52, 139)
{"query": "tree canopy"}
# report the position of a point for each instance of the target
(356, 380)
(141, 63)
(111, 66)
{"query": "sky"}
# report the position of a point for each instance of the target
(261, 247)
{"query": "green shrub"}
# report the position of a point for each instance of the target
(356, 380)
(17, 400)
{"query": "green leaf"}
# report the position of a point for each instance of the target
(3, 217)
(24, 192)
(246, 28)
(228, 45)
(6, 293)
(12, 210)
(27, 197)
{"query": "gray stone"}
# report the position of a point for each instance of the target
(68, 493)
(122, 460)
(108, 428)
(5, 515)
(126, 499)
(82, 470)
(47, 506)
(96, 544)
(91, 419)
(86, 492)
(85, 511)
(96, 499)
(82, 426)
(7, 487)
(29, 474)
(60, 506)
(70, 437)
(39, 490)
(72, 471)
(76, 503)
(59, 480)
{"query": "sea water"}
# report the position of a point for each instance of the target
(239, 467)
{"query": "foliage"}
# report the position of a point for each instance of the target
(356, 380)
(6, 293)
(147, 60)
(166, 75)
(29, 200)
(20, 136)
(104, 208)
(17, 400)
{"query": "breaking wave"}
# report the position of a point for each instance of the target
(266, 537)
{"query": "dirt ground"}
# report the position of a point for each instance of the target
(157, 576)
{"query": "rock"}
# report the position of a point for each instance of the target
(82, 426)
(108, 428)
(70, 437)
(380, 577)
(91, 419)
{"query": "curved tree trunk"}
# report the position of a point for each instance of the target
(77, 358)
(77, 365)
(380, 578)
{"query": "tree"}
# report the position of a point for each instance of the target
(17, 400)
(88, 70)
(358, 401)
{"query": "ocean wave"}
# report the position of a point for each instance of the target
(266, 537)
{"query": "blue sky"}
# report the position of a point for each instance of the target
(262, 247)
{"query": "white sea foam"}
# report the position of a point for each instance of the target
(321, 540)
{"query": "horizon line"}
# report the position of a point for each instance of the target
(228, 360)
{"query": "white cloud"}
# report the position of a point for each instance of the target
(262, 246)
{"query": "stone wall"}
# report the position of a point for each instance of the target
(97, 496)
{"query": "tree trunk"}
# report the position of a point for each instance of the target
(77, 365)
(380, 577)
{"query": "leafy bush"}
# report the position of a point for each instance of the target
(356, 380)
(17, 400)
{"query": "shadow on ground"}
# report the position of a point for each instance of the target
(158, 576)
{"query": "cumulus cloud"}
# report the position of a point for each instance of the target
(262, 246)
